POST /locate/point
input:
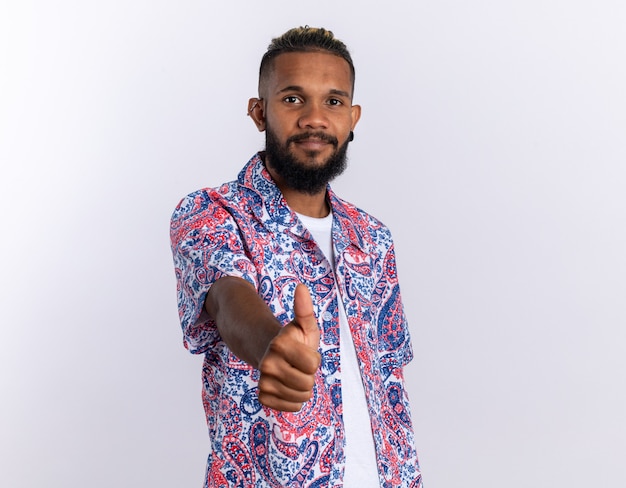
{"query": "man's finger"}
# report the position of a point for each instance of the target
(305, 316)
(276, 403)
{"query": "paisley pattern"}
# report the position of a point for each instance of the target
(245, 228)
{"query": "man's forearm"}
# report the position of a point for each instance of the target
(243, 319)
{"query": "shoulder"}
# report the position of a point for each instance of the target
(233, 196)
(350, 210)
(201, 200)
(205, 210)
(357, 215)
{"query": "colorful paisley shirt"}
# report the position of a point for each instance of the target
(245, 228)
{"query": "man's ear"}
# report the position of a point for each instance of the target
(256, 111)
(355, 114)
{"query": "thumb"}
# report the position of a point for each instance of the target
(305, 316)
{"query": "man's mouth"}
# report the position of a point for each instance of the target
(313, 142)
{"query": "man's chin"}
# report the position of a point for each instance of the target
(302, 169)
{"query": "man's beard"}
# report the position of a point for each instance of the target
(297, 175)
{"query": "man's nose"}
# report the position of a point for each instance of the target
(313, 117)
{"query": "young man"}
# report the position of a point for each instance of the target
(292, 296)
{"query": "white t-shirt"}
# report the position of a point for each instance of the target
(361, 470)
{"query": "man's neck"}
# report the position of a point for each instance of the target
(310, 205)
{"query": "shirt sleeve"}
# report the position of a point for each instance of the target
(206, 245)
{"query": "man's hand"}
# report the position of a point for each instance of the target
(286, 356)
(289, 365)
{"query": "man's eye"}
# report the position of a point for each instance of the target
(292, 99)
(334, 101)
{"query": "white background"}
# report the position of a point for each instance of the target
(492, 143)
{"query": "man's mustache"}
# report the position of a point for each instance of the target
(313, 135)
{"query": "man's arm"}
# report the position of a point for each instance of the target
(286, 356)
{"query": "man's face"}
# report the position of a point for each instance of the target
(308, 115)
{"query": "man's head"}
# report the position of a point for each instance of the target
(306, 81)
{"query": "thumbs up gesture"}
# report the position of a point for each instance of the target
(291, 360)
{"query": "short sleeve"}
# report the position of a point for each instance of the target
(206, 245)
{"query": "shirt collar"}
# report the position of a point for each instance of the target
(348, 222)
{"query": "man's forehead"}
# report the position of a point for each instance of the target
(306, 66)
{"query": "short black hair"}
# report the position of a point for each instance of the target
(302, 40)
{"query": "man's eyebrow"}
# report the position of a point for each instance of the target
(341, 93)
(295, 88)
